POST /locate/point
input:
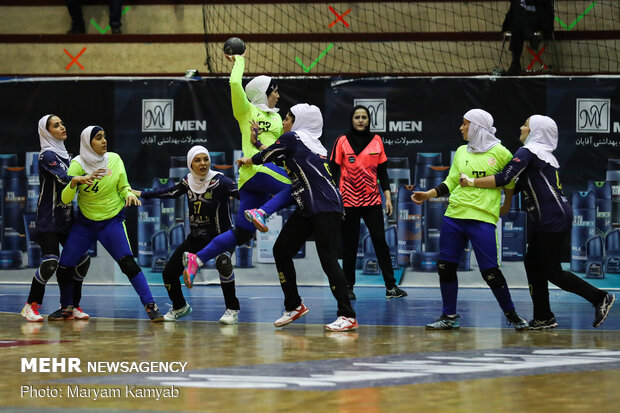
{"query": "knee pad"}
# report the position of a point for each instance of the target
(447, 271)
(494, 277)
(224, 266)
(242, 236)
(82, 268)
(48, 267)
(129, 267)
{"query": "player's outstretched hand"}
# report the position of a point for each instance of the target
(419, 197)
(136, 192)
(232, 58)
(132, 200)
(253, 131)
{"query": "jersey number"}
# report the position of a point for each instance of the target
(197, 207)
(479, 174)
(94, 188)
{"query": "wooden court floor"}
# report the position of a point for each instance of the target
(253, 367)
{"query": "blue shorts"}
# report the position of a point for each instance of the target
(111, 233)
(454, 236)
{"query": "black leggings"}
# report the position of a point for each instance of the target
(373, 217)
(543, 262)
(174, 269)
(295, 232)
(49, 243)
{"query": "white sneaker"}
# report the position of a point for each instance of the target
(31, 312)
(230, 317)
(78, 314)
(342, 324)
(290, 316)
(174, 315)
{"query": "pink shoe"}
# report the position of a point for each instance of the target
(191, 268)
(257, 217)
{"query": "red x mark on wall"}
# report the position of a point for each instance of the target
(340, 17)
(536, 57)
(74, 59)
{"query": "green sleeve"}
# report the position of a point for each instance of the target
(68, 193)
(123, 186)
(452, 180)
(240, 104)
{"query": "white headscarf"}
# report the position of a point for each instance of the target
(308, 126)
(88, 158)
(48, 142)
(543, 139)
(256, 91)
(197, 183)
(481, 133)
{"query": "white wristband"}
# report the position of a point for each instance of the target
(470, 181)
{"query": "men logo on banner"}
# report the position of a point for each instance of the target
(157, 115)
(378, 113)
(593, 115)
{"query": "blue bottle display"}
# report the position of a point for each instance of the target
(435, 208)
(15, 192)
(613, 177)
(595, 258)
(167, 218)
(34, 250)
(612, 252)
(602, 195)
(408, 225)
(514, 230)
(160, 251)
(423, 161)
(32, 199)
(149, 217)
(400, 174)
(584, 228)
(243, 255)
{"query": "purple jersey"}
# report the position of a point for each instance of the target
(312, 185)
(52, 214)
(546, 205)
(209, 214)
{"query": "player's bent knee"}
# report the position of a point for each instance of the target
(494, 277)
(48, 267)
(82, 268)
(129, 266)
(224, 266)
(447, 271)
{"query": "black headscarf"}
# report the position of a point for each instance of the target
(359, 140)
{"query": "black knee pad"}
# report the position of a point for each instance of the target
(242, 236)
(64, 274)
(224, 266)
(82, 268)
(447, 271)
(129, 266)
(494, 277)
(48, 267)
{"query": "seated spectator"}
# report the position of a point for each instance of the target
(77, 19)
(524, 18)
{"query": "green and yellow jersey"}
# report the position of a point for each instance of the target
(476, 203)
(105, 198)
(270, 124)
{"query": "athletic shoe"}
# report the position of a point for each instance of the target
(190, 261)
(153, 312)
(230, 317)
(62, 314)
(602, 309)
(174, 315)
(31, 312)
(516, 321)
(394, 293)
(78, 314)
(444, 323)
(290, 316)
(257, 217)
(342, 324)
(542, 324)
(351, 294)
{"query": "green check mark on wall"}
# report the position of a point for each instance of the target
(307, 69)
(577, 19)
(103, 31)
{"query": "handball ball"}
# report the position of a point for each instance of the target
(234, 46)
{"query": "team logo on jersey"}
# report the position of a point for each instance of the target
(351, 159)
(492, 161)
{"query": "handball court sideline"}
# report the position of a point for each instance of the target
(390, 364)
